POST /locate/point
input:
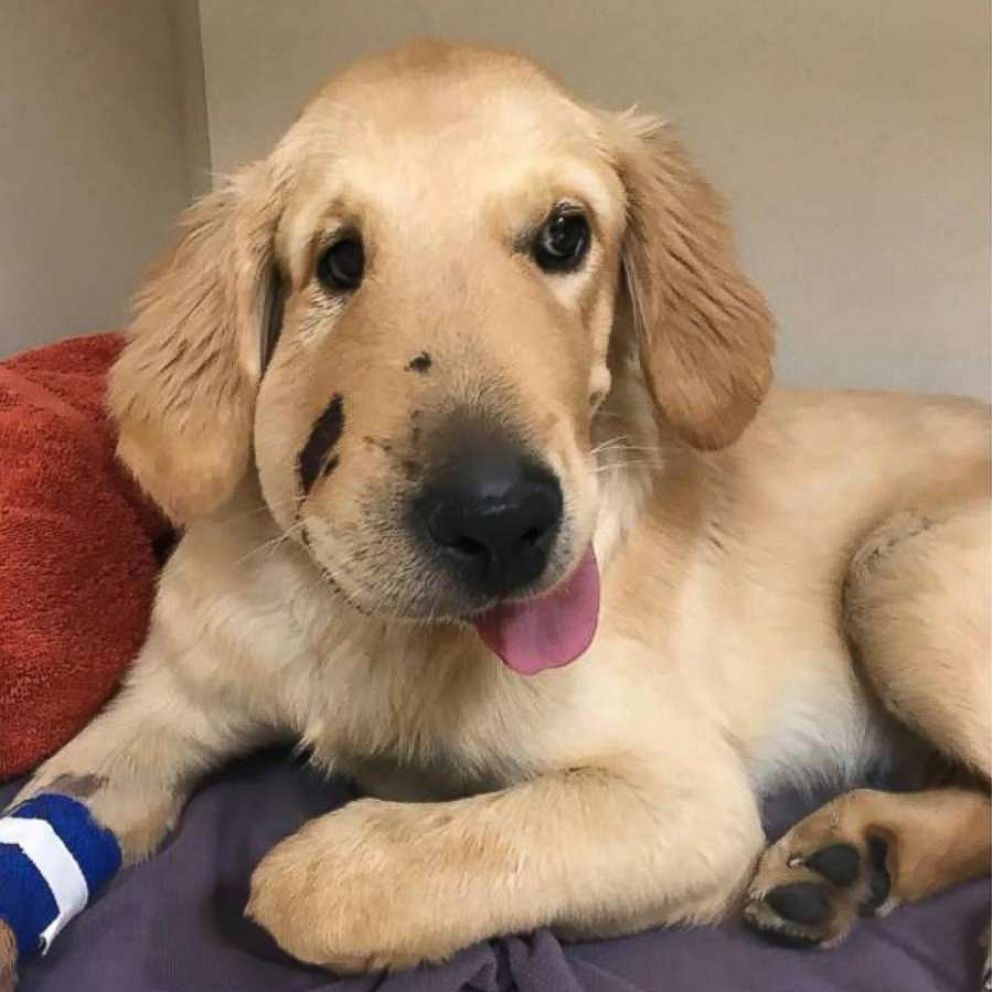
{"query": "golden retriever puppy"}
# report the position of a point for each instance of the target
(462, 399)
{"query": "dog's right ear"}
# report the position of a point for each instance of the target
(183, 390)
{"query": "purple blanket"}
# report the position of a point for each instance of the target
(175, 924)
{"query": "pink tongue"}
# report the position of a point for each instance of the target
(546, 632)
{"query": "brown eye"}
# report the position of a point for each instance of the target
(341, 265)
(563, 240)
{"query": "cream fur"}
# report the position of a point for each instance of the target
(620, 791)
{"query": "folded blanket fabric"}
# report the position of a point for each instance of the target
(77, 549)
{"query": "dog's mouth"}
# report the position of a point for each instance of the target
(549, 631)
(530, 635)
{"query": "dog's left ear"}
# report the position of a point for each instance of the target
(705, 333)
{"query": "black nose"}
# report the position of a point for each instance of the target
(493, 518)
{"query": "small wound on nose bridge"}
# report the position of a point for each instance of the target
(420, 363)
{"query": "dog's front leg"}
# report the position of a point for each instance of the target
(590, 850)
(116, 788)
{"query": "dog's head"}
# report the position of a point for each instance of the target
(407, 315)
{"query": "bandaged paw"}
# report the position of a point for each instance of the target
(53, 858)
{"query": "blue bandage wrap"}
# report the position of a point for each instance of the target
(53, 858)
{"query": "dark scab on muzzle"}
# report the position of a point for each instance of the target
(316, 458)
(420, 363)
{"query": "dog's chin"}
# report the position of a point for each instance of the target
(548, 626)
(436, 600)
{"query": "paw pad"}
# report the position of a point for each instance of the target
(801, 902)
(879, 880)
(839, 864)
(811, 900)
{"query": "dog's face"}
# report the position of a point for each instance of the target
(408, 312)
(450, 268)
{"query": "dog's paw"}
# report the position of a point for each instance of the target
(8, 959)
(813, 884)
(351, 892)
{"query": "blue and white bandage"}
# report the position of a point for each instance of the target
(53, 858)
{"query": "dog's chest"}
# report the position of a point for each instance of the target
(821, 730)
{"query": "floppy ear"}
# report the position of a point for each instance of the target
(705, 334)
(183, 390)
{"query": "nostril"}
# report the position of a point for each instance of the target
(469, 547)
(533, 535)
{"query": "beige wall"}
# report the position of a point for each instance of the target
(852, 137)
(93, 157)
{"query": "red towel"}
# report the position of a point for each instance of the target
(77, 549)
